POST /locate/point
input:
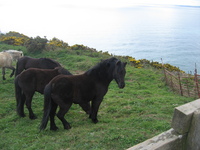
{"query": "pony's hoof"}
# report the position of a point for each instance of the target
(67, 127)
(95, 120)
(54, 128)
(33, 117)
(22, 115)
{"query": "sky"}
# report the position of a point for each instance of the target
(94, 3)
(48, 17)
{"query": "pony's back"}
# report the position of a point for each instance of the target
(42, 63)
(47, 63)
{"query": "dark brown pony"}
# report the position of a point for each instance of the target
(91, 86)
(30, 81)
(28, 62)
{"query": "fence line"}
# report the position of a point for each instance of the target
(183, 84)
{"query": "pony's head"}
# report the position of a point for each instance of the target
(109, 69)
(15, 54)
(119, 73)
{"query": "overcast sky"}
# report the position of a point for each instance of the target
(46, 17)
(96, 3)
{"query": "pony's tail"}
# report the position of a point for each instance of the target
(17, 68)
(47, 106)
(20, 98)
(20, 65)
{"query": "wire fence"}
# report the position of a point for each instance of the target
(183, 84)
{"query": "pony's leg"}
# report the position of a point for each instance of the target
(52, 115)
(94, 111)
(3, 73)
(28, 105)
(86, 107)
(61, 113)
(13, 71)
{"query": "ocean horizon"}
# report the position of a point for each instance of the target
(152, 33)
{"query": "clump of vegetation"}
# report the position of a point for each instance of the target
(79, 47)
(143, 63)
(14, 38)
(135, 63)
(55, 43)
(36, 44)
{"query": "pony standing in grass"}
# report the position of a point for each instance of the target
(30, 81)
(6, 62)
(91, 86)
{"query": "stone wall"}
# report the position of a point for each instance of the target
(184, 134)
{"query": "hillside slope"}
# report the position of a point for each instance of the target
(127, 116)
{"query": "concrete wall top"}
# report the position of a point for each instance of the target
(183, 115)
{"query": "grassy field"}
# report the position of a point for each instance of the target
(128, 116)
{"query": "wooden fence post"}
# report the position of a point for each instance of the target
(164, 72)
(187, 84)
(179, 78)
(196, 81)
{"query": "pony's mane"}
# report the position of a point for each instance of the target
(103, 69)
(50, 61)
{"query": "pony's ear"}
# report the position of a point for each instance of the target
(118, 62)
(125, 64)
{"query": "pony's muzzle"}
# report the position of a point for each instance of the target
(121, 85)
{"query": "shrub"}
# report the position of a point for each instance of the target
(143, 62)
(55, 42)
(134, 62)
(36, 44)
(13, 38)
(79, 47)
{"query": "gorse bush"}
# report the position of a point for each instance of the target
(79, 47)
(135, 63)
(36, 44)
(55, 42)
(143, 62)
(13, 38)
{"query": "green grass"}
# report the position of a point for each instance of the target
(128, 116)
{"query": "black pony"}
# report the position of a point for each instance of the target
(30, 81)
(28, 62)
(91, 86)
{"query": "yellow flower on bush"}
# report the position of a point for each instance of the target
(13, 40)
(134, 62)
(57, 43)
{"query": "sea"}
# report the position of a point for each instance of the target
(170, 33)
